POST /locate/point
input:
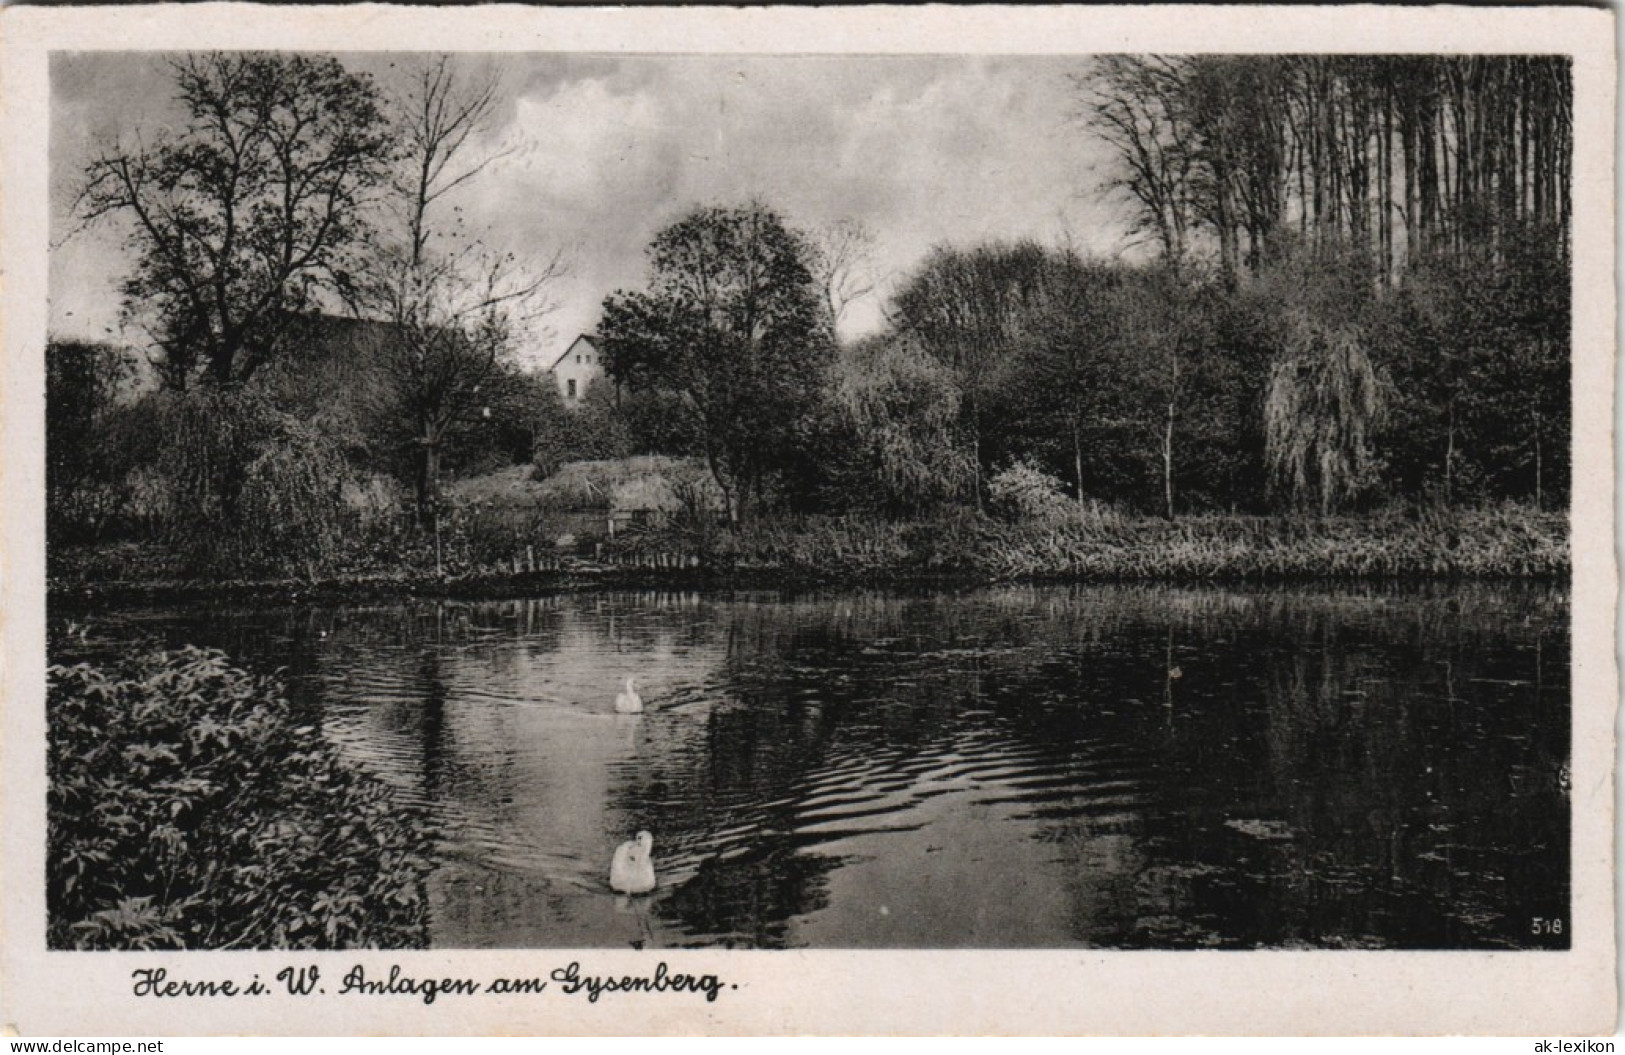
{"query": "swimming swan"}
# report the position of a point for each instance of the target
(629, 702)
(633, 870)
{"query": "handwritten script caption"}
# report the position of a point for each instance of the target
(309, 981)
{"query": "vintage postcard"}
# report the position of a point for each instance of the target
(790, 521)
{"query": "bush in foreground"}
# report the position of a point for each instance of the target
(189, 808)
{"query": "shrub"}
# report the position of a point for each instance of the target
(486, 536)
(1025, 492)
(239, 487)
(292, 509)
(594, 431)
(1091, 542)
(189, 808)
(1513, 541)
(652, 483)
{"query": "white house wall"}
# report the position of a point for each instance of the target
(582, 364)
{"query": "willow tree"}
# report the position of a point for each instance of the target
(898, 408)
(1322, 407)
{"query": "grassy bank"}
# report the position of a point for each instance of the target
(1090, 545)
(1105, 546)
(1508, 542)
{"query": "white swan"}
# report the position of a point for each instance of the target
(632, 871)
(629, 702)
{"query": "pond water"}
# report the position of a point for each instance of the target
(1007, 767)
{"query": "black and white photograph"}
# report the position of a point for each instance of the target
(665, 503)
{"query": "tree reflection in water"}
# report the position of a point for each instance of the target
(1020, 767)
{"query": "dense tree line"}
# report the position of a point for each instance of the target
(1357, 295)
(1171, 390)
(1444, 182)
(1405, 158)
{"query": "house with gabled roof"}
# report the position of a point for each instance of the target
(577, 369)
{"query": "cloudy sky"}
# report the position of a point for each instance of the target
(599, 152)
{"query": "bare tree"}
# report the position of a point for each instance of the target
(440, 116)
(252, 209)
(1136, 105)
(453, 304)
(839, 262)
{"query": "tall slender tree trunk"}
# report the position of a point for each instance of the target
(439, 554)
(1534, 423)
(1168, 434)
(1408, 137)
(1228, 253)
(1300, 163)
(1077, 458)
(1385, 181)
(1450, 455)
(428, 475)
(1427, 179)
(1168, 462)
(730, 500)
(976, 445)
(429, 493)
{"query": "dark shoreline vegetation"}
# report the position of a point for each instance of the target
(190, 807)
(1506, 543)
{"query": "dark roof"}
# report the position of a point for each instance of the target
(590, 338)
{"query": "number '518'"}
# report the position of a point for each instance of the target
(1545, 926)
